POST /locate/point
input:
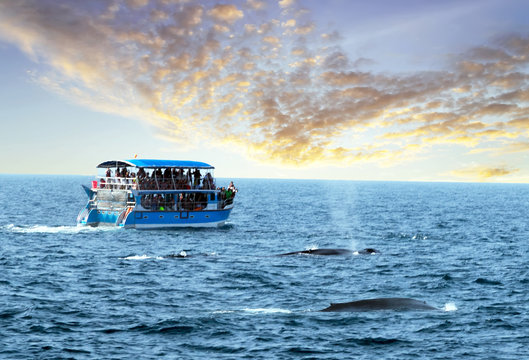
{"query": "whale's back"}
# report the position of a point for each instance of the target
(399, 304)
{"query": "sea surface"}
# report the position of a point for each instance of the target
(106, 293)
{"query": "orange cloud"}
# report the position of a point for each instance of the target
(305, 29)
(286, 3)
(483, 173)
(257, 4)
(225, 12)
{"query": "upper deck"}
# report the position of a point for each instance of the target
(155, 163)
(155, 174)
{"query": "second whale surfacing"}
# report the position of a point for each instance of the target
(320, 252)
(398, 304)
(330, 252)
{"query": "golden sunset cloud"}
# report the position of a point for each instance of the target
(483, 173)
(260, 76)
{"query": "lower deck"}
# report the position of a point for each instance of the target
(156, 219)
(155, 209)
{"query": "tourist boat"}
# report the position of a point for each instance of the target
(148, 194)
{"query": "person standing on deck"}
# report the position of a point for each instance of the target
(232, 188)
(197, 178)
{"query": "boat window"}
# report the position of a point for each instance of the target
(158, 202)
(192, 201)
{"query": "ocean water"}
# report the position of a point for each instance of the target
(84, 293)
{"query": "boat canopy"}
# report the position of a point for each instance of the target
(155, 163)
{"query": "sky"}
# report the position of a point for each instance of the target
(339, 89)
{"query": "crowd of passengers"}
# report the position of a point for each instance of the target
(187, 201)
(166, 202)
(168, 179)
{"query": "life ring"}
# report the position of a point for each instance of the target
(127, 213)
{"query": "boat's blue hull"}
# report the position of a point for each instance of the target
(156, 219)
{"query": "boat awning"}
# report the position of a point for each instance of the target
(155, 163)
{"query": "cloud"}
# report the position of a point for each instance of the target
(267, 80)
(286, 3)
(305, 29)
(289, 23)
(227, 13)
(483, 173)
(256, 4)
(137, 3)
(513, 147)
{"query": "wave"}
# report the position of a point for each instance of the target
(223, 311)
(356, 252)
(267, 311)
(167, 327)
(183, 254)
(45, 229)
(450, 307)
(141, 257)
(419, 236)
(256, 311)
(367, 341)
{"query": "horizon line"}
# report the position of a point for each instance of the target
(314, 179)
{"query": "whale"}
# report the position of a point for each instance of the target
(368, 251)
(181, 255)
(331, 252)
(398, 304)
(323, 252)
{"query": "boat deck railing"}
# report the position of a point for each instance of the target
(108, 198)
(152, 183)
(109, 204)
(115, 183)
